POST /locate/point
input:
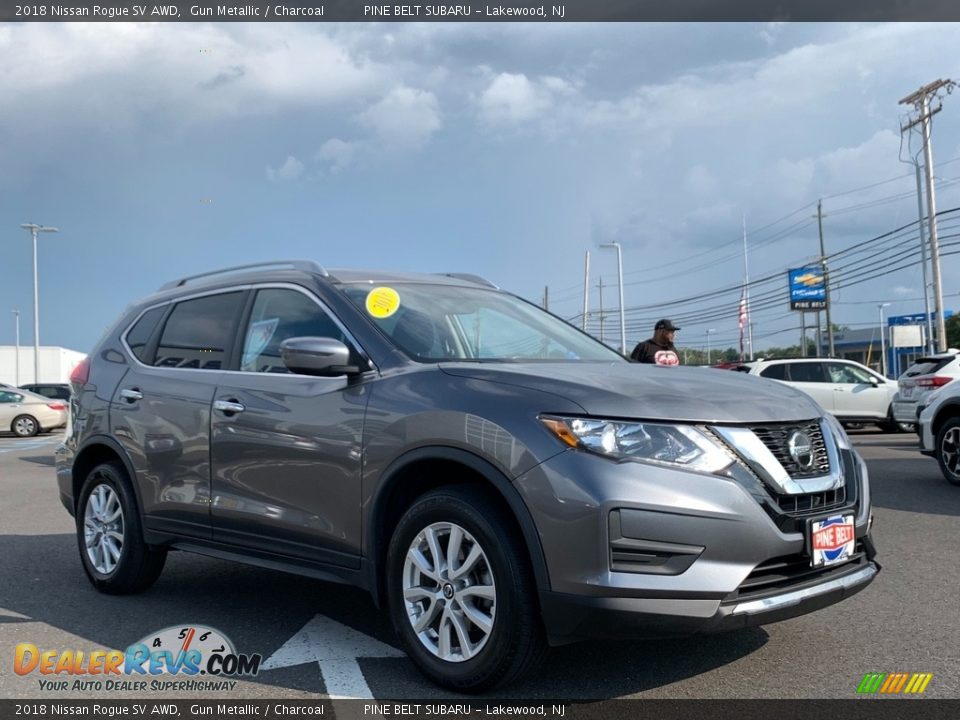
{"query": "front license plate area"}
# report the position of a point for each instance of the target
(831, 540)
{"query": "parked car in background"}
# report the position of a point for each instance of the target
(496, 478)
(25, 414)
(852, 392)
(920, 379)
(55, 391)
(938, 425)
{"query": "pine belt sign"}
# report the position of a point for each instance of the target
(807, 289)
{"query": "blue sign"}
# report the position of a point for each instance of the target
(916, 318)
(808, 291)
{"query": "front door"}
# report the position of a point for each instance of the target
(285, 448)
(855, 393)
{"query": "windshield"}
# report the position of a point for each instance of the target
(432, 323)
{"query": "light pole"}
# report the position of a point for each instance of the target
(34, 229)
(883, 342)
(16, 358)
(709, 333)
(623, 323)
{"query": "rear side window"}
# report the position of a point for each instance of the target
(927, 366)
(142, 330)
(807, 372)
(776, 372)
(198, 332)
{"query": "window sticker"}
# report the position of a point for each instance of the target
(258, 338)
(382, 302)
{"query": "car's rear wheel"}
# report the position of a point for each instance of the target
(25, 426)
(948, 450)
(461, 593)
(109, 534)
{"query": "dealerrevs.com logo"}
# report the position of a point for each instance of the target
(171, 659)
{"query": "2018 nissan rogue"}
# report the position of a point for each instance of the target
(496, 478)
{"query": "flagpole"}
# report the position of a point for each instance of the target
(746, 287)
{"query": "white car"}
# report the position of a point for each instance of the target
(938, 426)
(25, 414)
(926, 375)
(851, 392)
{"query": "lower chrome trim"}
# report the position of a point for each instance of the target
(793, 598)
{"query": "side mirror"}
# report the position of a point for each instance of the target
(324, 357)
(875, 381)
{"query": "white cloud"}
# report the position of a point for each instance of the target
(291, 169)
(404, 118)
(514, 99)
(337, 154)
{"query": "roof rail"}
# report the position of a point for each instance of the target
(305, 265)
(471, 278)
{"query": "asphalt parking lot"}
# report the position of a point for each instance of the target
(907, 621)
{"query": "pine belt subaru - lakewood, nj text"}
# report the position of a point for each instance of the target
(495, 478)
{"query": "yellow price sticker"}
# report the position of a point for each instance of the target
(382, 302)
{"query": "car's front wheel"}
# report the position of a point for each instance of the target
(948, 450)
(461, 593)
(109, 534)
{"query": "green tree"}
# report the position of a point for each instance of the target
(953, 331)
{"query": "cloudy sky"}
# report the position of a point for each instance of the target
(502, 150)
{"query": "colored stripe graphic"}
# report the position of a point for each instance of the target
(894, 683)
(871, 682)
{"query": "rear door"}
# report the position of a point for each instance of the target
(811, 378)
(161, 408)
(286, 448)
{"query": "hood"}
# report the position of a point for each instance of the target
(652, 392)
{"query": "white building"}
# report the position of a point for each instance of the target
(56, 364)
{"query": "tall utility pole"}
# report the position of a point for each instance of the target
(803, 334)
(921, 102)
(883, 341)
(546, 297)
(623, 321)
(826, 279)
(586, 290)
(746, 289)
(34, 229)
(600, 283)
(16, 361)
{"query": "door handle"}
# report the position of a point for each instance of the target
(228, 407)
(131, 395)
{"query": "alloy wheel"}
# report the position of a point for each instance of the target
(950, 450)
(449, 592)
(103, 528)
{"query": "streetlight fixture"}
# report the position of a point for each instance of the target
(709, 333)
(16, 358)
(34, 229)
(623, 323)
(883, 342)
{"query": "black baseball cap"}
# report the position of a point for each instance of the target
(665, 325)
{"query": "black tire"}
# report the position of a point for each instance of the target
(25, 426)
(516, 643)
(948, 450)
(138, 565)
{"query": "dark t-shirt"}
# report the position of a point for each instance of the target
(650, 351)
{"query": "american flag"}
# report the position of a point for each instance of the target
(743, 317)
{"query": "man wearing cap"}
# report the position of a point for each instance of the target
(659, 349)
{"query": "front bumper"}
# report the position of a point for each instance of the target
(572, 617)
(635, 549)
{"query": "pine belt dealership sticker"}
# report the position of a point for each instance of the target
(382, 302)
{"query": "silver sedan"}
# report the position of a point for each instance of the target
(25, 413)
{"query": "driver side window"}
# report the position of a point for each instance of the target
(279, 314)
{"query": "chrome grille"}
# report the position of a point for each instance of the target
(774, 437)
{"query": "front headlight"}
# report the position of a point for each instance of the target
(658, 443)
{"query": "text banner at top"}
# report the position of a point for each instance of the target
(504, 11)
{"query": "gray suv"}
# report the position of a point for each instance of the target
(496, 478)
